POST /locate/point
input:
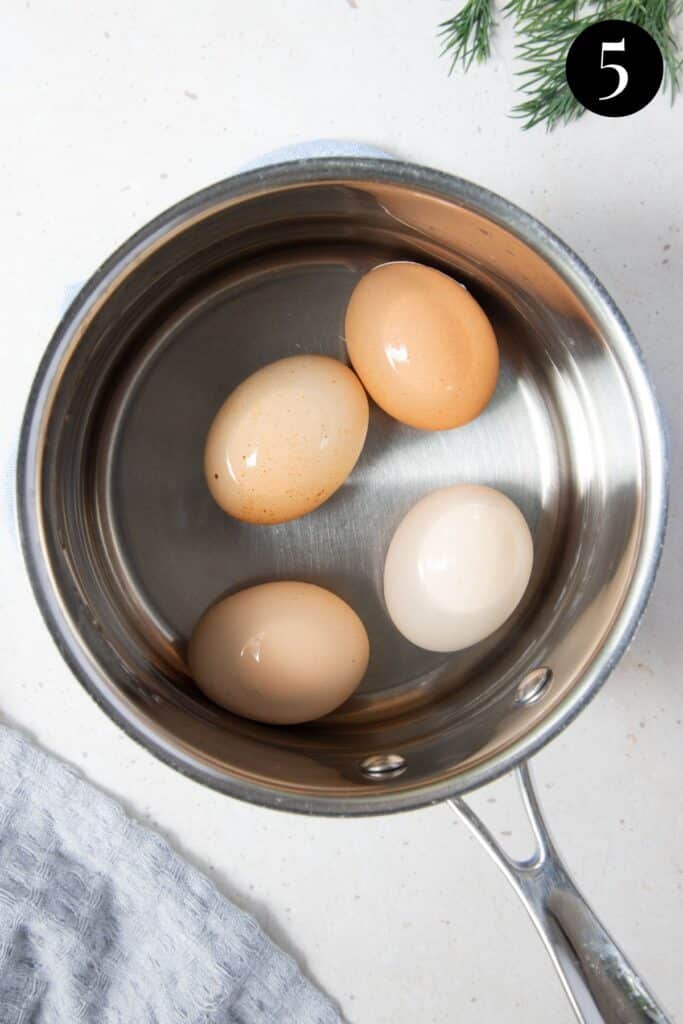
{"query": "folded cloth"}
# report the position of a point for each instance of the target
(102, 923)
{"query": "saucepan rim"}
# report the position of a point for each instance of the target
(583, 282)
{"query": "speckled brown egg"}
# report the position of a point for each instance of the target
(286, 439)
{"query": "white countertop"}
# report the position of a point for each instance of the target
(113, 111)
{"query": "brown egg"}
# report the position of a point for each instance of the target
(286, 439)
(422, 346)
(279, 652)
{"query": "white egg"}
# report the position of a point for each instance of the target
(457, 567)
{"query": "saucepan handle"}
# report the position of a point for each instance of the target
(600, 982)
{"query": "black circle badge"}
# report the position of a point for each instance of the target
(614, 68)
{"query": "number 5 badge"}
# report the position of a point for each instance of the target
(614, 68)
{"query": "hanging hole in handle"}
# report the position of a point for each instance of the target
(501, 810)
(533, 686)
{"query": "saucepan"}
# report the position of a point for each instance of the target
(126, 548)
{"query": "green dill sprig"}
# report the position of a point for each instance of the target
(467, 35)
(552, 14)
(545, 37)
(546, 30)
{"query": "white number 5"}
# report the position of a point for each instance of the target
(620, 70)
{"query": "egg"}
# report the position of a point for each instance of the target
(422, 346)
(286, 439)
(281, 652)
(457, 567)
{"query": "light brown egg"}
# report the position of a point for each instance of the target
(281, 652)
(422, 346)
(286, 439)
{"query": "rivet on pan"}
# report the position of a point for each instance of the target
(533, 686)
(382, 766)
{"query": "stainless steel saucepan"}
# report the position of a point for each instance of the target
(126, 548)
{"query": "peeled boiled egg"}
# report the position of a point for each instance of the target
(286, 439)
(282, 652)
(457, 567)
(422, 346)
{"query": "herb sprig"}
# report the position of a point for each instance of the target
(467, 35)
(546, 30)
